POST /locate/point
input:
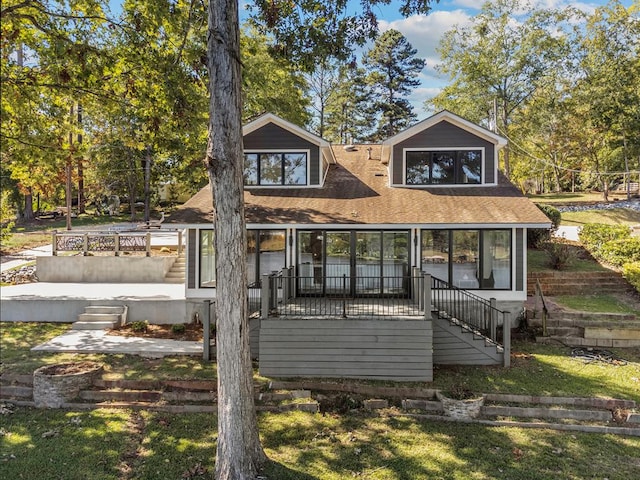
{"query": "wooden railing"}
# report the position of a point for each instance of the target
(116, 242)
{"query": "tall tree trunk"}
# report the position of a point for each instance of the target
(81, 193)
(239, 452)
(132, 181)
(147, 184)
(27, 214)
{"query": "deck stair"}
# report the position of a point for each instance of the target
(177, 272)
(573, 328)
(457, 343)
(97, 317)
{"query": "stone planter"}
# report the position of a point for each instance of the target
(461, 409)
(55, 385)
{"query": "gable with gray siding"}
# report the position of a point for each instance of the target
(274, 137)
(443, 135)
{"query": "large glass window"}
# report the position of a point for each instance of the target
(443, 167)
(274, 168)
(496, 259)
(265, 253)
(207, 259)
(470, 259)
(464, 253)
(435, 253)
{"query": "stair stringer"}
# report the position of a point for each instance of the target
(456, 345)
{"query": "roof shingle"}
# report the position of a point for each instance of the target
(356, 191)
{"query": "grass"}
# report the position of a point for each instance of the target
(615, 216)
(18, 338)
(566, 197)
(597, 303)
(538, 261)
(111, 444)
(536, 369)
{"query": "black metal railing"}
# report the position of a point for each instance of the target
(340, 296)
(457, 304)
(416, 295)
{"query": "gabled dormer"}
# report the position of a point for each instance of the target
(443, 150)
(279, 154)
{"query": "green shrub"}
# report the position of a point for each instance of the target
(560, 255)
(621, 251)
(178, 328)
(594, 235)
(631, 272)
(139, 326)
(536, 236)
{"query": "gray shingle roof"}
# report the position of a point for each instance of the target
(356, 191)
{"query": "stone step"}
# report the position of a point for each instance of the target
(174, 274)
(15, 391)
(116, 310)
(565, 331)
(99, 317)
(121, 395)
(174, 280)
(547, 413)
(94, 325)
(588, 342)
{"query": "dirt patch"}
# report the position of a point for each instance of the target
(192, 332)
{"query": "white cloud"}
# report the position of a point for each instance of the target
(425, 32)
(470, 4)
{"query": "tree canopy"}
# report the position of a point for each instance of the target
(561, 85)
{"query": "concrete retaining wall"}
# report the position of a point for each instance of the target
(91, 269)
(66, 310)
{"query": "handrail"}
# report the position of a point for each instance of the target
(295, 295)
(466, 308)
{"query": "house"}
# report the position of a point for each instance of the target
(348, 244)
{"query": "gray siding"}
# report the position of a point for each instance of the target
(519, 259)
(374, 349)
(454, 346)
(254, 337)
(192, 250)
(273, 137)
(445, 135)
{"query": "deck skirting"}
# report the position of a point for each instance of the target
(392, 349)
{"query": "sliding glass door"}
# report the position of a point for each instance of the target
(355, 263)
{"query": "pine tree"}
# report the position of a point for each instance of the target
(393, 73)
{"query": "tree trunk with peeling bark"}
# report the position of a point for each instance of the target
(239, 452)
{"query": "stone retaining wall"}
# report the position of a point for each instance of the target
(573, 283)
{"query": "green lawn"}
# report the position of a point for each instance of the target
(615, 216)
(536, 369)
(118, 444)
(566, 197)
(598, 303)
(538, 261)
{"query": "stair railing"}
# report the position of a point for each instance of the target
(471, 311)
